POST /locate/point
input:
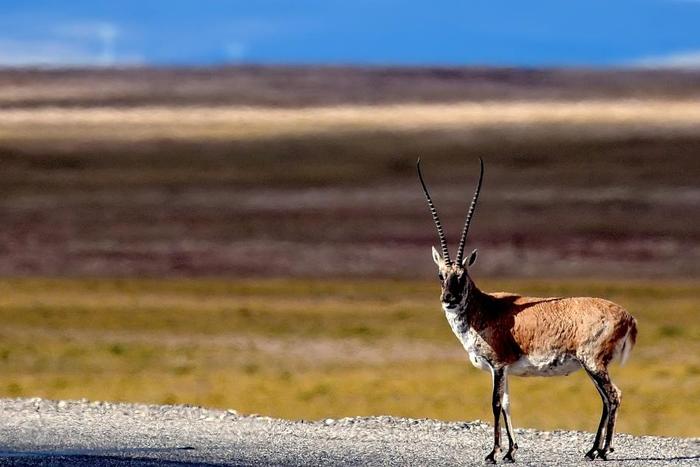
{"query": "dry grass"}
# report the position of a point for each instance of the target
(306, 349)
(529, 120)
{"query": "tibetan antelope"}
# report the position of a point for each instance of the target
(508, 334)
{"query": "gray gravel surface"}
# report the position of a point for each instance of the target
(43, 432)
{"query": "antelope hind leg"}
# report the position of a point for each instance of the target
(601, 380)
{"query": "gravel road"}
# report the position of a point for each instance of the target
(43, 432)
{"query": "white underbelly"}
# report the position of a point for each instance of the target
(544, 365)
(547, 364)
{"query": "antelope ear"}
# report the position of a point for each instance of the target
(470, 260)
(437, 258)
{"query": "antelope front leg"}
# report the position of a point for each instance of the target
(512, 445)
(496, 404)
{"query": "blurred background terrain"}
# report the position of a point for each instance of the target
(256, 238)
(311, 171)
(216, 203)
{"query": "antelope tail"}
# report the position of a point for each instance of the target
(628, 343)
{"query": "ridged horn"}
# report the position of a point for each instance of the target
(470, 213)
(436, 218)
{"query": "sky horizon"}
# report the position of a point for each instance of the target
(582, 34)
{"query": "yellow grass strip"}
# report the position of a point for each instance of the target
(255, 122)
(316, 349)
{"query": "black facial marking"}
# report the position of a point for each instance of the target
(454, 287)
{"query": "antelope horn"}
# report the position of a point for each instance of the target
(436, 218)
(470, 213)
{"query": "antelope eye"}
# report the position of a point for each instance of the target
(440, 276)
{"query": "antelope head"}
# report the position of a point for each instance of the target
(454, 275)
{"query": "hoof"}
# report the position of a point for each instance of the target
(491, 458)
(599, 453)
(591, 455)
(509, 455)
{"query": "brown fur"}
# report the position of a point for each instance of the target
(513, 326)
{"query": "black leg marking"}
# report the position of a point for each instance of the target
(610, 395)
(496, 405)
(597, 443)
(614, 396)
(512, 445)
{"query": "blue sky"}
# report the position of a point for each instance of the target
(490, 32)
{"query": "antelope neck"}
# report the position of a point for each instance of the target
(471, 296)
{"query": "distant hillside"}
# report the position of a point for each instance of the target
(162, 172)
(300, 86)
